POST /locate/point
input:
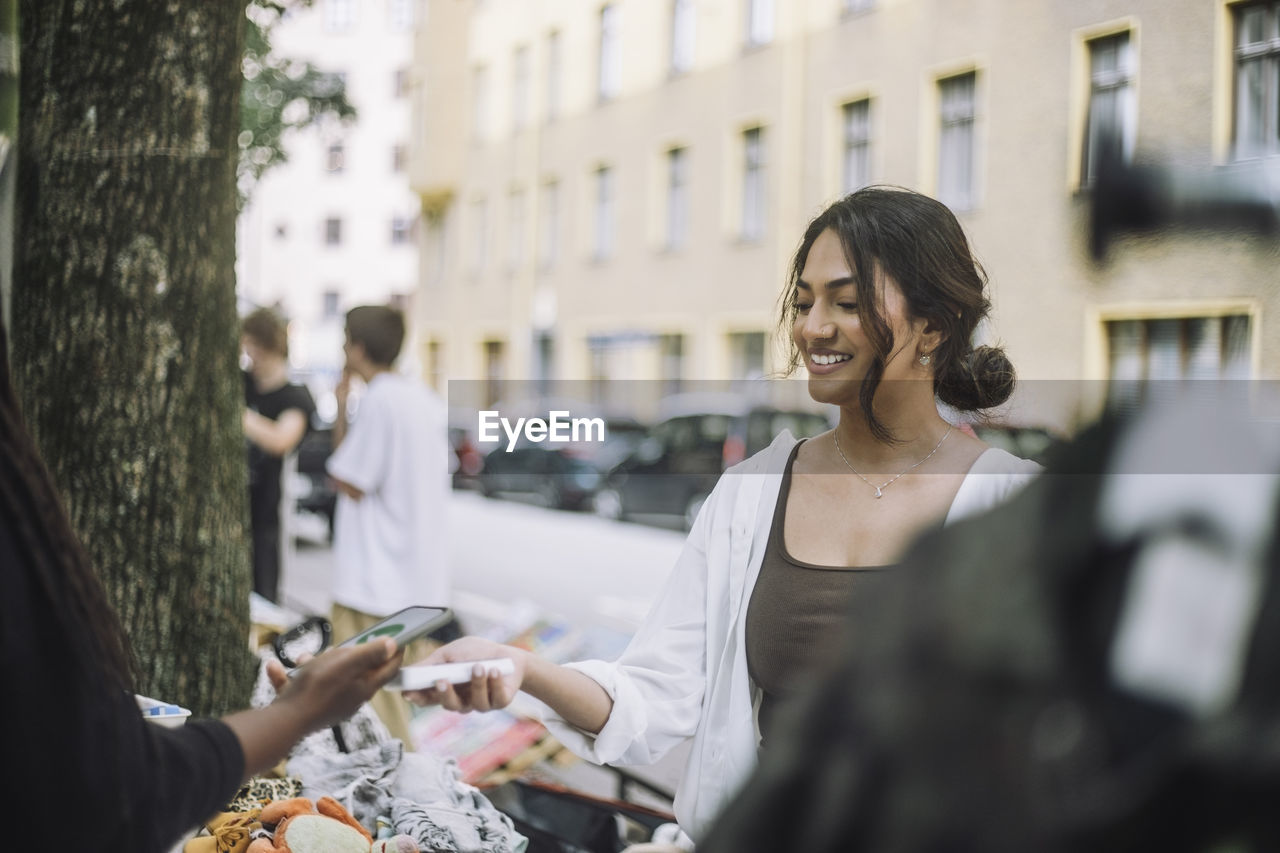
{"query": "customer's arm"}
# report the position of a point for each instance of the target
(277, 437)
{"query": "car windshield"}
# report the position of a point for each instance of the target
(763, 427)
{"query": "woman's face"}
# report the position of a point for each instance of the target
(828, 332)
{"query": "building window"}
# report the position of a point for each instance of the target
(339, 15)
(435, 249)
(400, 83)
(400, 15)
(544, 355)
(759, 22)
(435, 366)
(402, 230)
(671, 362)
(677, 198)
(479, 234)
(549, 241)
(602, 242)
(329, 304)
(479, 102)
(1178, 348)
(610, 71)
(494, 371)
(1110, 121)
(399, 158)
(554, 71)
(753, 183)
(515, 229)
(957, 97)
(1257, 59)
(335, 157)
(855, 145)
(683, 38)
(746, 355)
(333, 231)
(520, 87)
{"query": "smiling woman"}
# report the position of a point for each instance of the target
(883, 297)
(896, 267)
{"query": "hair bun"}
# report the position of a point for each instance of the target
(984, 378)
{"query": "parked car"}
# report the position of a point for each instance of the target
(313, 490)
(562, 476)
(1027, 442)
(466, 459)
(671, 472)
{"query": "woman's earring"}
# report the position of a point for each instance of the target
(925, 359)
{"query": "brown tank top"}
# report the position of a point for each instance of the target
(796, 614)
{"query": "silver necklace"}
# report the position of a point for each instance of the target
(887, 483)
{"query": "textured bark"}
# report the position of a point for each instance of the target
(124, 324)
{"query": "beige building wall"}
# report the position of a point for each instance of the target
(496, 293)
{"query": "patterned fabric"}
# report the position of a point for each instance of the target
(444, 827)
(260, 790)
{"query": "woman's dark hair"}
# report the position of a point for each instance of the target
(917, 242)
(48, 548)
(268, 330)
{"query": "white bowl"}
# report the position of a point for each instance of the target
(161, 713)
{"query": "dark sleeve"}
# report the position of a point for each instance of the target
(193, 772)
(300, 398)
(73, 741)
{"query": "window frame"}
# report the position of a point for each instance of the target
(676, 232)
(1122, 81)
(951, 120)
(760, 19)
(603, 213)
(333, 231)
(1263, 54)
(849, 143)
(752, 222)
(609, 60)
(683, 43)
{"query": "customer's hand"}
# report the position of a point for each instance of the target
(483, 692)
(333, 685)
(342, 390)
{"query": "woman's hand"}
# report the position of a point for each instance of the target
(483, 692)
(332, 686)
(326, 690)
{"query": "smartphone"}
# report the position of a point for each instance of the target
(412, 623)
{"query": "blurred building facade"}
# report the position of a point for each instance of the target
(336, 225)
(615, 189)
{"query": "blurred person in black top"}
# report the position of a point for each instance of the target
(277, 415)
(75, 743)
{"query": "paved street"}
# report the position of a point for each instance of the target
(587, 570)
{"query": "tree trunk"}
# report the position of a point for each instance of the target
(124, 322)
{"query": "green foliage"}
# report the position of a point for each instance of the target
(279, 94)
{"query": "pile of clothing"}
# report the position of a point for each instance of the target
(357, 780)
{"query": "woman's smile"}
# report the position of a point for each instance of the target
(826, 361)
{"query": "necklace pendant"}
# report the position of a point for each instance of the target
(879, 494)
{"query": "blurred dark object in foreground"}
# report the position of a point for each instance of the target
(1094, 666)
(1240, 197)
